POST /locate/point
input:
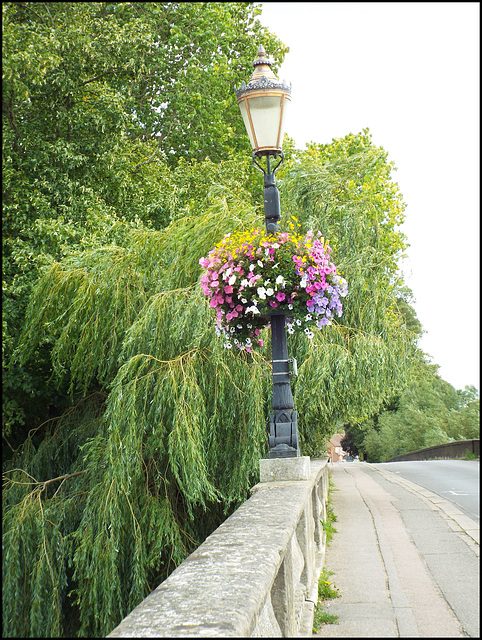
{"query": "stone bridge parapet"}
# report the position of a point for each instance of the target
(257, 574)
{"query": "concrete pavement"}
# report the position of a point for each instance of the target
(405, 561)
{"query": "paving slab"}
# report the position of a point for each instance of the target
(398, 565)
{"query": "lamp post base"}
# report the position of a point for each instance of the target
(283, 434)
(284, 451)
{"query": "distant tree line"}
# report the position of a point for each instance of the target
(429, 411)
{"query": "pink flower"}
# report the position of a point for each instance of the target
(228, 289)
(273, 304)
(261, 343)
(280, 296)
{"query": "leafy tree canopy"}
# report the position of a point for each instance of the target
(429, 411)
(109, 113)
(169, 426)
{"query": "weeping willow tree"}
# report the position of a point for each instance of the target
(164, 427)
(345, 189)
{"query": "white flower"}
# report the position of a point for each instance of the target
(290, 307)
(252, 266)
(227, 345)
(303, 283)
(308, 317)
(266, 282)
(244, 283)
(262, 293)
(243, 300)
(290, 328)
(232, 279)
(260, 263)
(298, 322)
(253, 309)
(280, 280)
(269, 291)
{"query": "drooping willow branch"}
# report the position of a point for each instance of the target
(41, 486)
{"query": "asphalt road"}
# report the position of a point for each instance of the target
(455, 480)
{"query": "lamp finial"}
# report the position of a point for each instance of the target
(261, 59)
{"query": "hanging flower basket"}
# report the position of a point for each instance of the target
(250, 276)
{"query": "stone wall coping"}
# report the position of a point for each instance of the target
(221, 588)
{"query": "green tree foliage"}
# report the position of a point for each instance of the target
(429, 411)
(171, 425)
(182, 431)
(405, 302)
(105, 108)
(345, 189)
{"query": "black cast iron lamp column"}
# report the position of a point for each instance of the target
(263, 103)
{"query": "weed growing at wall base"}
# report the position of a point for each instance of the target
(327, 524)
(325, 592)
(325, 589)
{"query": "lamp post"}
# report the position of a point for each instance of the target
(263, 103)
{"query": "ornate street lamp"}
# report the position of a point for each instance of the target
(263, 102)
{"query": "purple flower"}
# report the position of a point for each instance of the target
(322, 322)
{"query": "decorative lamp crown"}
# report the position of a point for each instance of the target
(263, 102)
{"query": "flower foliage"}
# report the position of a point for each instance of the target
(252, 275)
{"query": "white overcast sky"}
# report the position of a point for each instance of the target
(409, 71)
